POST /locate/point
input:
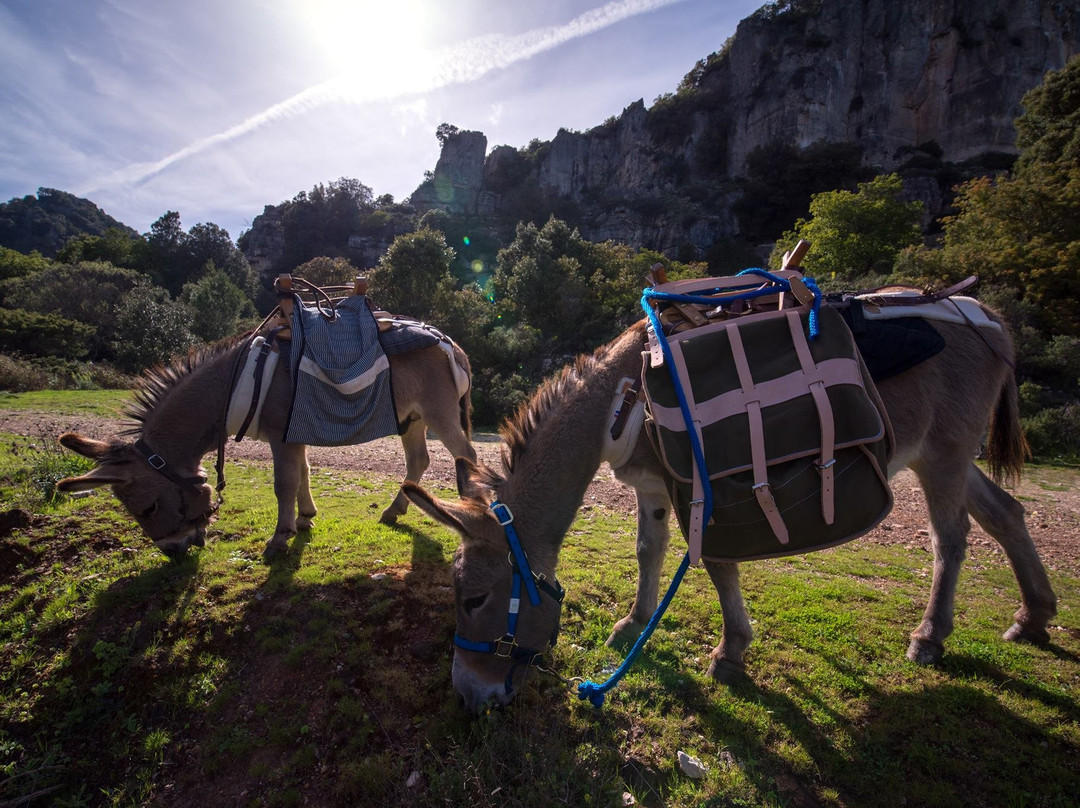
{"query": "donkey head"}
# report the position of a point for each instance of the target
(503, 625)
(172, 511)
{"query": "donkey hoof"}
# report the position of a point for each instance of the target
(1036, 635)
(304, 522)
(175, 552)
(727, 671)
(275, 550)
(925, 652)
(625, 633)
(389, 517)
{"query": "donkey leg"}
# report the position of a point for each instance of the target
(727, 658)
(289, 458)
(653, 536)
(1003, 518)
(414, 441)
(305, 504)
(949, 525)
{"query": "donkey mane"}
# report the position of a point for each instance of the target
(518, 428)
(160, 380)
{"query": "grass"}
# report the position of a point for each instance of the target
(105, 403)
(324, 679)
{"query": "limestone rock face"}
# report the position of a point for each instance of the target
(889, 74)
(886, 75)
(264, 242)
(458, 176)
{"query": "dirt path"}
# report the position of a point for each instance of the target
(1052, 498)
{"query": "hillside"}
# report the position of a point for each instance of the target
(46, 222)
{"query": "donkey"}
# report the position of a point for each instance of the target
(555, 443)
(177, 418)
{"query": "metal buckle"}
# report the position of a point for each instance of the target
(509, 513)
(508, 642)
(823, 466)
(156, 461)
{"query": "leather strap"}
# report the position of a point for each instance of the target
(918, 300)
(630, 398)
(826, 418)
(759, 459)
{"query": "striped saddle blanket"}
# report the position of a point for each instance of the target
(341, 377)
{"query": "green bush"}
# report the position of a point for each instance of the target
(20, 376)
(24, 375)
(29, 332)
(1054, 433)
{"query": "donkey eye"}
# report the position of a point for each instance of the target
(149, 511)
(472, 604)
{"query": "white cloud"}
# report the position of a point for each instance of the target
(461, 63)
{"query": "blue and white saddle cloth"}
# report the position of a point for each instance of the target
(341, 377)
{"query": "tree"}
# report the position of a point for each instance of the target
(151, 328)
(29, 332)
(206, 244)
(218, 307)
(414, 276)
(164, 245)
(444, 131)
(321, 221)
(89, 293)
(854, 235)
(14, 264)
(324, 271)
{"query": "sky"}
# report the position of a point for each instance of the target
(217, 108)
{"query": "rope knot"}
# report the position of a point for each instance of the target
(591, 692)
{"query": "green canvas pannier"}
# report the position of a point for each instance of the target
(795, 440)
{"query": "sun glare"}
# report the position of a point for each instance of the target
(375, 46)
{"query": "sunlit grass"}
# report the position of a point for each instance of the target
(325, 676)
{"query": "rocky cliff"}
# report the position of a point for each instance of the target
(890, 77)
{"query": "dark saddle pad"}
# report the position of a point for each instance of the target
(407, 335)
(891, 346)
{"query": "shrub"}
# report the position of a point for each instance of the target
(24, 375)
(1054, 433)
(19, 376)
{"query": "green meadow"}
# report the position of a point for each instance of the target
(324, 679)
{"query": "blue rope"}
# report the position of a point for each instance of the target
(594, 693)
(684, 406)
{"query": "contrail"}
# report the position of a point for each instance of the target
(457, 64)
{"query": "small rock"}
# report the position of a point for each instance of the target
(413, 781)
(691, 766)
(378, 576)
(628, 798)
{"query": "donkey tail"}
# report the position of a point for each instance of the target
(1006, 446)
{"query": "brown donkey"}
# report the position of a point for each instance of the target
(177, 420)
(555, 443)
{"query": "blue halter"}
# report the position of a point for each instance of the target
(507, 645)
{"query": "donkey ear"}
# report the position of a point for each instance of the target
(102, 475)
(87, 447)
(470, 518)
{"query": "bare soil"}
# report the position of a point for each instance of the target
(1052, 499)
